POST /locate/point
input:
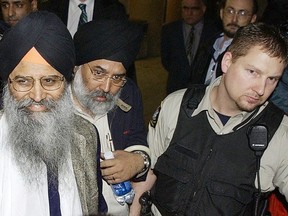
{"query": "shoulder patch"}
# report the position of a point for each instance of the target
(155, 116)
(123, 106)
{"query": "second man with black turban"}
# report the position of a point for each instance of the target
(106, 97)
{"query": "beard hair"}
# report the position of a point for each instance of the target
(230, 34)
(87, 99)
(37, 137)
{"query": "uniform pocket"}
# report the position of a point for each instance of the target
(227, 198)
(174, 170)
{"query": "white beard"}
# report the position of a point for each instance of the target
(37, 137)
(87, 99)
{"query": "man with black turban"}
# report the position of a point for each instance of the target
(112, 102)
(47, 154)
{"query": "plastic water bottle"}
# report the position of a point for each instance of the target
(123, 192)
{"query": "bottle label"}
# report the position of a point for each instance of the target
(121, 189)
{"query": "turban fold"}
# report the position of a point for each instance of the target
(50, 37)
(115, 40)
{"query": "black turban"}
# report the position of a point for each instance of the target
(44, 31)
(115, 40)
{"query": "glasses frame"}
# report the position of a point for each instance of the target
(106, 77)
(60, 78)
(242, 14)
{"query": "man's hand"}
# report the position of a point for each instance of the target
(124, 166)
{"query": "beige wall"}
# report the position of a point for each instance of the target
(173, 10)
(151, 11)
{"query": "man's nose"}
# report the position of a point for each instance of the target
(235, 17)
(11, 11)
(260, 87)
(106, 85)
(37, 93)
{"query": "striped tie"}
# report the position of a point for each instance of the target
(83, 17)
(189, 45)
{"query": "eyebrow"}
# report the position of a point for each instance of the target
(21, 76)
(192, 8)
(242, 9)
(117, 73)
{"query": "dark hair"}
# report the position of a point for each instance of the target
(222, 5)
(260, 34)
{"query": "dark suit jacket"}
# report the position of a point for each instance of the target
(173, 52)
(128, 128)
(103, 9)
(3, 26)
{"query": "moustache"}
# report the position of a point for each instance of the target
(99, 93)
(49, 104)
(233, 25)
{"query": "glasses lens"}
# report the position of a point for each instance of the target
(22, 84)
(243, 13)
(229, 11)
(119, 82)
(101, 76)
(51, 83)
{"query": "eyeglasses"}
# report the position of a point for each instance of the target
(26, 83)
(101, 76)
(242, 14)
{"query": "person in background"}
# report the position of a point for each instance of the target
(15, 10)
(202, 142)
(181, 39)
(103, 95)
(70, 12)
(234, 14)
(47, 153)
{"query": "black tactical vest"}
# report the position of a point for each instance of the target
(202, 173)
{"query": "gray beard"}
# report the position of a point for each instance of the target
(87, 99)
(37, 137)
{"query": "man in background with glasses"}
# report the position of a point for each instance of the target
(234, 14)
(47, 153)
(106, 97)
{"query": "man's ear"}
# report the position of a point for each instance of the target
(226, 61)
(34, 5)
(254, 18)
(221, 13)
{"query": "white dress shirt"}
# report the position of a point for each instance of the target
(74, 13)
